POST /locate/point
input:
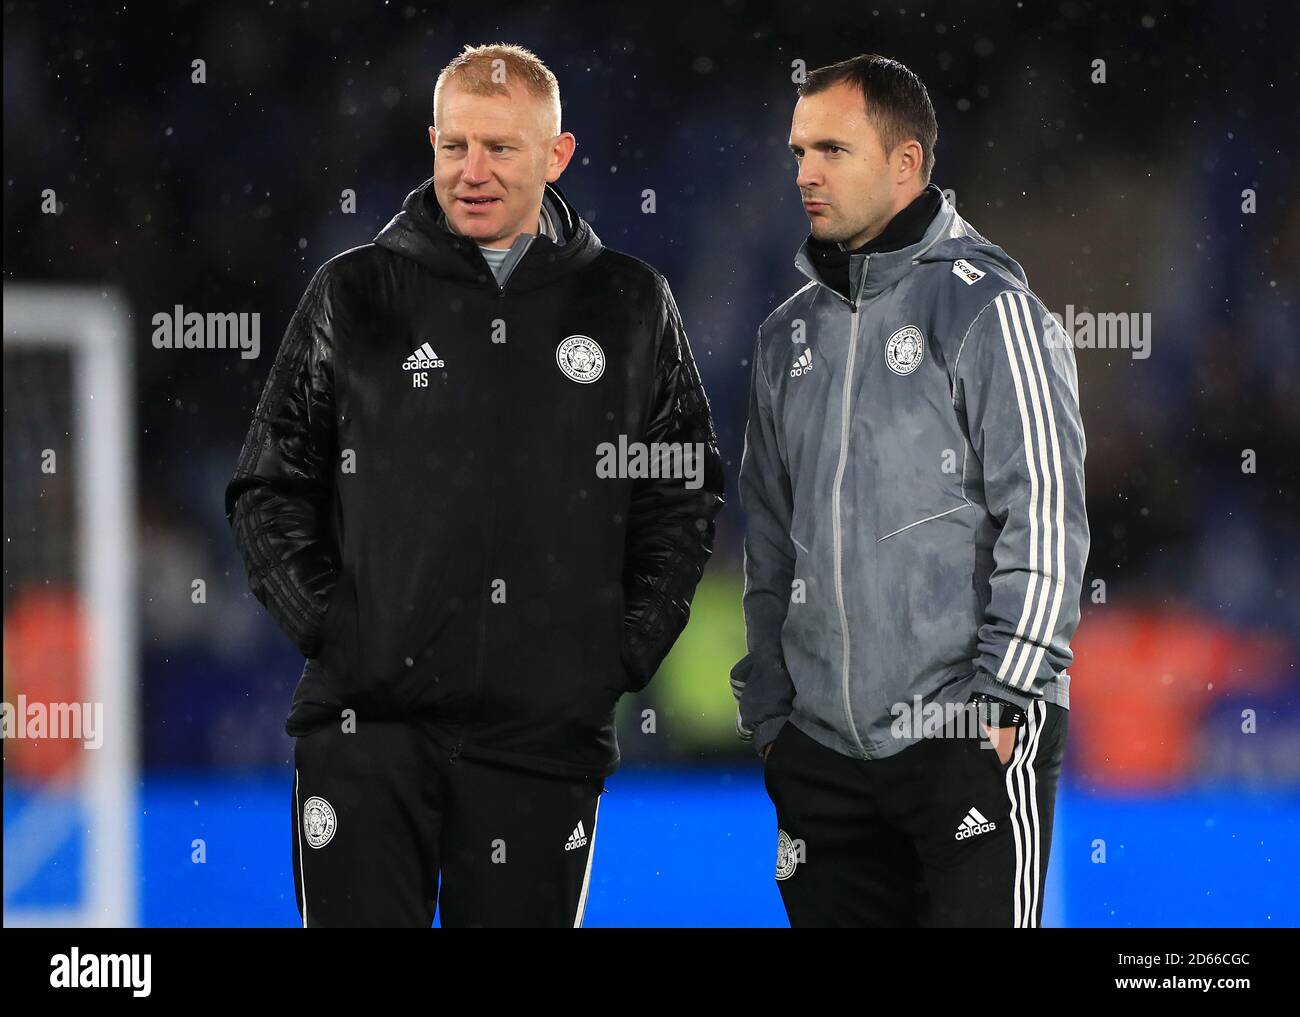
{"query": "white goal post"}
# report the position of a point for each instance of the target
(88, 330)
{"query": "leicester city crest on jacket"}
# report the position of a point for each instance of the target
(581, 359)
(904, 350)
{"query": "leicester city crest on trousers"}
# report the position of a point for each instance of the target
(786, 857)
(904, 350)
(318, 821)
(581, 359)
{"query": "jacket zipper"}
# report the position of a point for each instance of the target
(484, 607)
(479, 680)
(846, 417)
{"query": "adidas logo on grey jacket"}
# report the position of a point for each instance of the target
(915, 505)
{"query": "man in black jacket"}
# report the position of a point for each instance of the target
(419, 506)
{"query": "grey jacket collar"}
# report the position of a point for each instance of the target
(555, 223)
(872, 274)
(554, 218)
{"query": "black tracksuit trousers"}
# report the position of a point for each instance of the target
(940, 834)
(390, 825)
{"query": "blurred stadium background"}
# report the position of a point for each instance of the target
(1125, 196)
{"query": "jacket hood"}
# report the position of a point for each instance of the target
(420, 232)
(947, 238)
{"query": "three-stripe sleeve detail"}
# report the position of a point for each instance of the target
(1046, 586)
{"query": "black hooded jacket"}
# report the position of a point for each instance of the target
(418, 505)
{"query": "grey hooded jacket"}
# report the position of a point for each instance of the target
(913, 482)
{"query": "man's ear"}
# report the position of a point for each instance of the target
(908, 160)
(433, 138)
(561, 152)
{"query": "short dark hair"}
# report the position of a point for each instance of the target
(897, 102)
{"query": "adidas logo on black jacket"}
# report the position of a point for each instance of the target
(436, 540)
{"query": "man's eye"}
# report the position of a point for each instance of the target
(834, 148)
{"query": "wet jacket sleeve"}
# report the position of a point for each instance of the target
(760, 681)
(278, 502)
(671, 520)
(1015, 379)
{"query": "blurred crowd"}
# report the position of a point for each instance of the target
(1117, 196)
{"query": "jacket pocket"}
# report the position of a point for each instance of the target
(628, 677)
(922, 612)
(924, 519)
(631, 680)
(338, 628)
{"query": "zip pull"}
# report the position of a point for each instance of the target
(455, 753)
(862, 280)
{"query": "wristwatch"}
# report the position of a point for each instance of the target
(1000, 713)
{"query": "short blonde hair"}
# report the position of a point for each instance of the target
(485, 70)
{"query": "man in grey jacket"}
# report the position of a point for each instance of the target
(913, 482)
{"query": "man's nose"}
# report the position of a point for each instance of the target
(809, 175)
(476, 171)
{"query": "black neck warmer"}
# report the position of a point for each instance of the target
(905, 229)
